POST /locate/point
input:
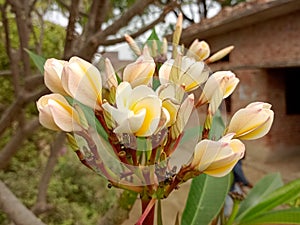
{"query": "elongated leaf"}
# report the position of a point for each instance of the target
(264, 187)
(38, 60)
(217, 127)
(206, 197)
(285, 216)
(281, 195)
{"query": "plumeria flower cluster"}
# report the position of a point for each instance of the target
(141, 113)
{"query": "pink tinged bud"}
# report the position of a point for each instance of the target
(52, 76)
(217, 158)
(199, 50)
(141, 71)
(252, 122)
(55, 113)
(82, 81)
(111, 79)
(223, 82)
(132, 44)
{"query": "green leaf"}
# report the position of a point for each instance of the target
(217, 127)
(90, 116)
(280, 196)
(264, 187)
(285, 216)
(206, 197)
(38, 60)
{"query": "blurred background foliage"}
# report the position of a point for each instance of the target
(74, 195)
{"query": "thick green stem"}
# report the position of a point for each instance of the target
(235, 209)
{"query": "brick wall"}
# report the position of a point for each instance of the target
(261, 53)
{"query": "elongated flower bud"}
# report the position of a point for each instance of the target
(220, 54)
(217, 158)
(82, 81)
(55, 113)
(133, 45)
(52, 76)
(252, 122)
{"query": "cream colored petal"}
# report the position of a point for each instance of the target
(152, 105)
(132, 123)
(259, 105)
(260, 131)
(220, 169)
(164, 71)
(140, 92)
(83, 82)
(118, 115)
(140, 72)
(46, 119)
(111, 78)
(172, 108)
(247, 120)
(205, 153)
(64, 116)
(183, 116)
(52, 75)
(123, 94)
(230, 86)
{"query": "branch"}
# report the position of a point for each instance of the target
(90, 46)
(21, 10)
(15, 210)
(70, 37)
(168, 8)
(10, 113)
(15, 142)
(41, 204)
(11, 55)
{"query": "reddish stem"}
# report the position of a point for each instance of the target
(148, 210)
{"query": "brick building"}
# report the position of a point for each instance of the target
(266, 58)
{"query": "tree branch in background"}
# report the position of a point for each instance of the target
(70, 35)
(168, 8)
(15, 210)
(21, 10)
(41, 205)
(91, 45)
(15, 142)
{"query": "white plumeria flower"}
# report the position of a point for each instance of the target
(55, 113)
(52, 75)
(217, 158)
(252, 122)
(82, 81)
(183, 71)
(137, 111)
